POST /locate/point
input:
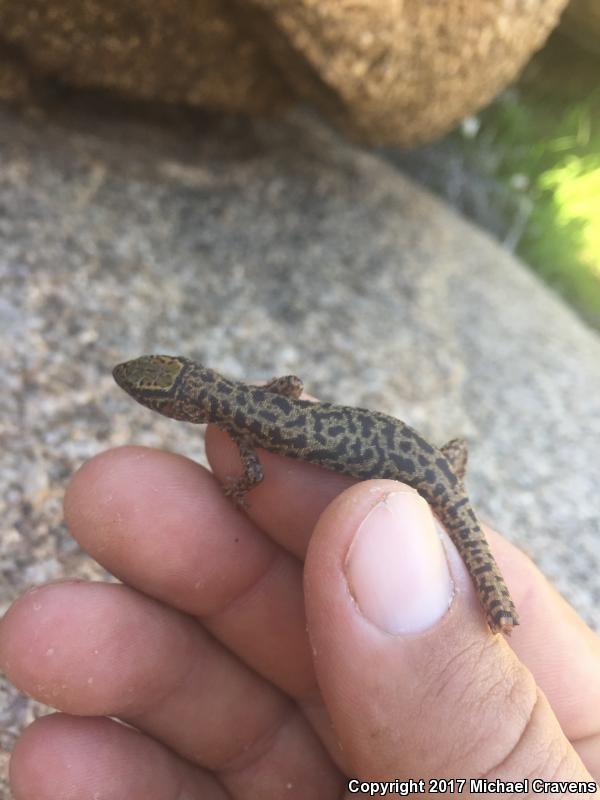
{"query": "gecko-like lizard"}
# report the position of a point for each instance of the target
(358, 442)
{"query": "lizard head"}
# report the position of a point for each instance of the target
(148, 374)
(172, 385)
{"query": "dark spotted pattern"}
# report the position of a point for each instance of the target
(364, 444)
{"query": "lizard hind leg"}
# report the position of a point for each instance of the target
(457, 453)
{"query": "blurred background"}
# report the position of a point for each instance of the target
(527, 168)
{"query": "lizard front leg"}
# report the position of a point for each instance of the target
(238, 488)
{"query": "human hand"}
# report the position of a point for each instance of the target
(205, 650)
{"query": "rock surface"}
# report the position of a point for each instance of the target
(581, 21)
(265, 248)
(403, 71)
(172, 51)
(397, 71)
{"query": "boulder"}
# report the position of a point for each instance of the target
(581, 21)
(403, 72)
(166, 51)
(391, 72)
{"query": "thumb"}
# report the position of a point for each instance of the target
(413, 680)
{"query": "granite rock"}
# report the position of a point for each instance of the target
(398, 72)
(403, 72)
(581, 21)
(172, 51)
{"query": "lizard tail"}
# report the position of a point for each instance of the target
(466, 533)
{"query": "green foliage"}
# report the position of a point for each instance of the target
(548, 149)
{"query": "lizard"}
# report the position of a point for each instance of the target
(355, 441)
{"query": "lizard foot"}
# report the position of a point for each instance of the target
(237, 489)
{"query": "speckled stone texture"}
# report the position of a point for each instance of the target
(263, 248)
(395, 71)
(403, 71)
(581, 21)
(173, 51)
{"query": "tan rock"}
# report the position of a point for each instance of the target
(405, 71)
(174, 51)
(581, 21)
(397, 71)
(14, 80)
